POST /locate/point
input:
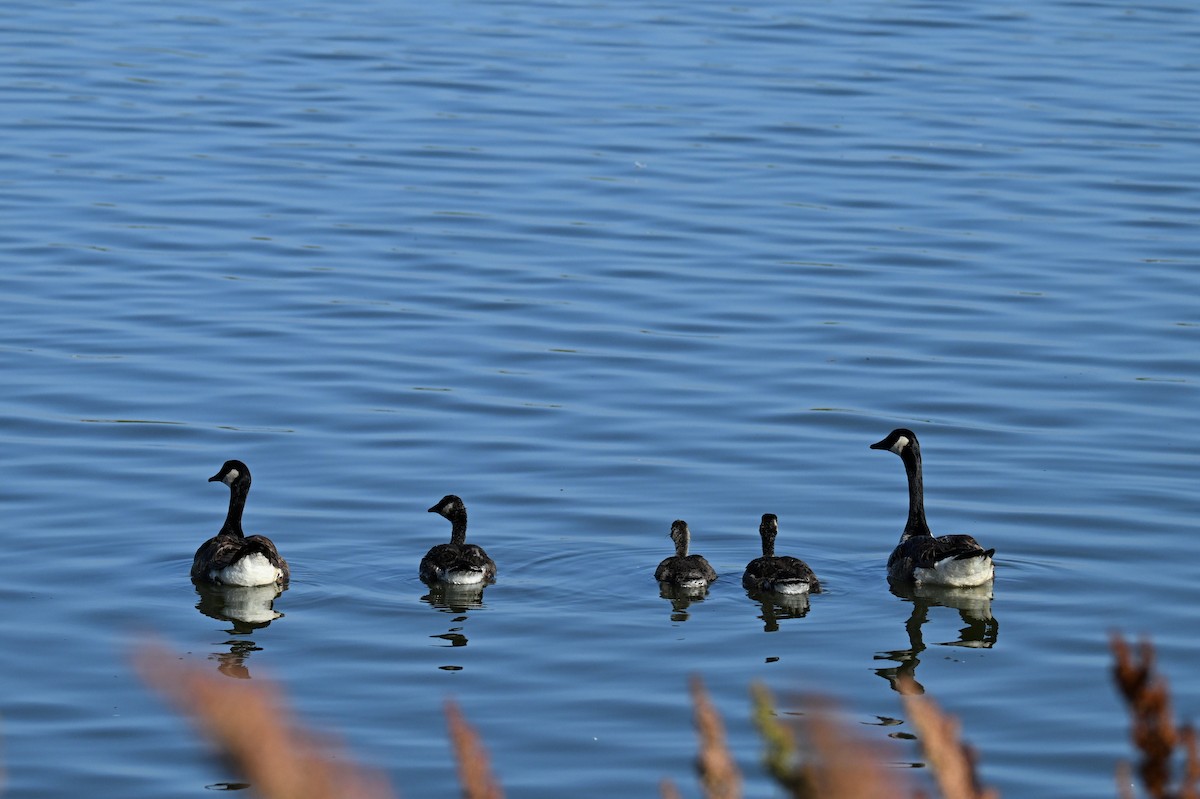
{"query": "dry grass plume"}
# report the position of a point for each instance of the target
(474, 771)
(256, 735)
(1160, 742)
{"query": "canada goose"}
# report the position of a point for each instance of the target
(456, 563)
(681, 569)
(954, 560)
(231, 557)
(781, 574)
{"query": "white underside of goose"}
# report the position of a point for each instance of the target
(460, 576)
(955, 572)
(791, 588)
(253, 569)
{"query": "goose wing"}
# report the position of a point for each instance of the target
(260, 543)
(445, 558)
(690, 568)
(946, 560)
(762, 573)
(222, 551)
(789, 569)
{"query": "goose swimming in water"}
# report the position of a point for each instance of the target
(781, 574)
(231, 557)
(681, 569)
(953, 560)
(456, 563)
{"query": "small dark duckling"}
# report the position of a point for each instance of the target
(781, 574)
(681, 569)
(456, 563)
(231, 557)
(920, 558)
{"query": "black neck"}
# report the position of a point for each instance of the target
(237, 502)
(768, 541)
(681, 545)
(458, 533)
(916, 524)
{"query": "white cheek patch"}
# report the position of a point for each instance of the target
(900, 444)
(230, 477)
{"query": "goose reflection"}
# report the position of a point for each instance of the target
(776, 606)
(247, 609)
(457, 600)
(681, 598)
(974, 606)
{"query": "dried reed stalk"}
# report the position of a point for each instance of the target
(719, 773)
(667, 790)
(1154, 733)
(474, 771)
(253, 731)
(951, 761)
(838, 765)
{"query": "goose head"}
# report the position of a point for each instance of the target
(768, 529)
(899, 441)
(232, 472)
(680, 534)
(449, 507)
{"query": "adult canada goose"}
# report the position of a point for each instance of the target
(781, 574)
(954, 560)
(456, 563)
(681, 569)
(231, 557)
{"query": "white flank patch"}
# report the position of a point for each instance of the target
(957, 573)
(462, 576)
(795, 587)
(254, 569)
(900, 444)
(698, 582)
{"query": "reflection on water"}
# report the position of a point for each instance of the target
(974, 606)
(681, 598)
(776, 606)
(456, 600)
(247, 608)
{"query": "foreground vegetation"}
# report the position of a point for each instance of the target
(816, 757)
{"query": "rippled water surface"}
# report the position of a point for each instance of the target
(593, 267)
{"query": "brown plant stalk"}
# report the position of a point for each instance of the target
(835, 765)
(1157, 738)
(474, 771)
(951, 761)
(719, 773)
(254, 732)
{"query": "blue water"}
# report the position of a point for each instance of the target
(593, 267)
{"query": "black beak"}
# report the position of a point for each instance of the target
(880, 445)
(215, 478)
(434, 509)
